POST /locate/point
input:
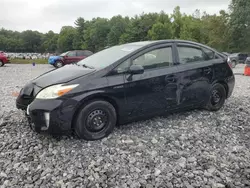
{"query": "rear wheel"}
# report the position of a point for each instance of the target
(95, 120)
(217, 98)
(1, 63)
(58, 64)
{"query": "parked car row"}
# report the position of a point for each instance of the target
(237, 58)
(12, 55)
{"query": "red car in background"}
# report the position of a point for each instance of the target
(3, 59)
(68, 57)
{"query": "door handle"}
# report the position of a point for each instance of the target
(207, 70)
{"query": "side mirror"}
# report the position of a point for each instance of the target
(136, 69)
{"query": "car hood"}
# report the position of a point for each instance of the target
(61, 75)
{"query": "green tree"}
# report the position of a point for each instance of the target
(239, 25)
(177, 22)
(66, 38)
(160, 31)
(32, 40)
(95, 36)
(118, 26)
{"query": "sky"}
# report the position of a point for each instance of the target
(45, 15)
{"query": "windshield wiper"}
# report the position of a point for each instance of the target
(87, 66)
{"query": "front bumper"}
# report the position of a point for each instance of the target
(53, 116)
(51, 62)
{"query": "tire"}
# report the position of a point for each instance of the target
(217, 98)
(233, 64)
(1, 63)
(58, 64)
(95, 120)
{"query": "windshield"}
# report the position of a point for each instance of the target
(108, 56)
(63, 54)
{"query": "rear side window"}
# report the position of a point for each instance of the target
(88, 53)
(189, 54)
(84, 53)
(71, 54)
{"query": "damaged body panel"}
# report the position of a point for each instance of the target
(126, 83)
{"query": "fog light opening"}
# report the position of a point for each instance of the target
(47, 119)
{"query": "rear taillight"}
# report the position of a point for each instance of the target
(229, 62)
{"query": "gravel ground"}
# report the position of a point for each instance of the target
(191, 149)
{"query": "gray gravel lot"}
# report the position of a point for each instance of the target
(191, 149)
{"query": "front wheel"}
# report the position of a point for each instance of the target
(95, 120)
(217, 98)
(58, 64)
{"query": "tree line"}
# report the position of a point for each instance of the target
(228, 31)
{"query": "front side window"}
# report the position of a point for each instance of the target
(190, 54)
(209, 54)
(64, 54)
(123, 67)
(157, 58)
(71, 54)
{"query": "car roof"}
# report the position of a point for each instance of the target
(155, 42)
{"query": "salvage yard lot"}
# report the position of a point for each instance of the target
(191, 149)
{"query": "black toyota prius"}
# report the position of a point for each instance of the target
(125, 83)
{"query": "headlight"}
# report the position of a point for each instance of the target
(55, 91)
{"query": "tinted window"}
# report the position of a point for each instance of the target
(190, 54)
(80, 53)
(156, 58)
(71, 54)
(123, 66)
(84, 53)
(88, 53)
(209, 54)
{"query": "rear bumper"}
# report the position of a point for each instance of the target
(230, 83)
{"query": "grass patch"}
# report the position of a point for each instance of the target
(29, 61)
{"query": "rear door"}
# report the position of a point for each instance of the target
(70, 57)
(196, 73)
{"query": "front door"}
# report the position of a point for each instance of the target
(154, 91)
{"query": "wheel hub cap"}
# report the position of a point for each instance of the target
(215, 97)
(97, 120)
